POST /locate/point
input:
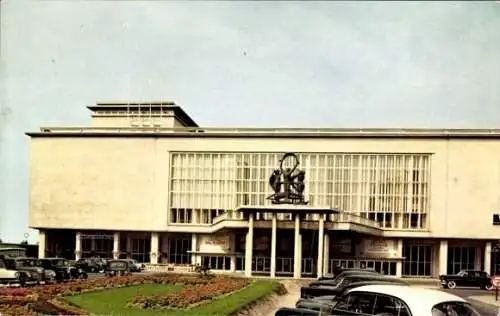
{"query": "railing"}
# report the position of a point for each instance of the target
(261, 264)
(337, 131)
(351, 218)
(387, 267)
(222, 217)
(308, 266)
(284, 265)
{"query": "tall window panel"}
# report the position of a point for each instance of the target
(461, 258)
(392, 189)
(418, 260)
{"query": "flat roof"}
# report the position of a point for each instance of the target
(214, 132)
(124, 106)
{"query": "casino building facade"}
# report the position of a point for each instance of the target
(145, 181)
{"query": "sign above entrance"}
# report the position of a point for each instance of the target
(287, 182)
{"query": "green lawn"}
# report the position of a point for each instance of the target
(113, 301)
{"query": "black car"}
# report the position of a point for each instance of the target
(342, 275)
(320, 289)
(33, 269)
(64, 271)
(327, 302)
(466, 278)
(288, 311)
(90, 265)
(333, 280)
(339, 271)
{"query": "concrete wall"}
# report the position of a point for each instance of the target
(122, 183)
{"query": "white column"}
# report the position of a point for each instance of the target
(487, 257)
(273, 244)
(249, 247)
(42, 240)
(195, 219)
(326, 256)
(477, 260)
(153, 258)
(443, 257)
(78, 246)
(399, 254)
(321, 242)
(194, 249)
(232, 263)
(116, 245)
(297, 258)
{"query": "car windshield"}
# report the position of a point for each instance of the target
(60, 263)
(462, 273)
(25, 263)
(454, 309)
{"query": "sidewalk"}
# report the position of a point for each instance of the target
(486, 299)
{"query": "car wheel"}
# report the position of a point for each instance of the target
(451, 284)
(488, 287)
(22, 280)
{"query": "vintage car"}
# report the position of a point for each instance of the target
(329, 280)
(10, 276)
(319, 289)
(86, 265)
(339, 271)
(33, 269)
(394, 300)
(466, 278)
(326, 302)
(134, 265)
(62, 268)
(118, 267)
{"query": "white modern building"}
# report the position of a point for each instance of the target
(144, 181)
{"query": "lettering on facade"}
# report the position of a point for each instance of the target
(380, 247)
(288, 182)
(214, 244)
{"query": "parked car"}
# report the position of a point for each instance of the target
(394, 300)
(33, 269)
(339, 276)
(87, 265)
(466, 278)
(118, 267)
(290, 311)
(10, 276)
(135, 266)
(339, 271)
(327, 302)
(64, 271)
(319, 289)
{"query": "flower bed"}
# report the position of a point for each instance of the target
(190, 295)
(46, 299)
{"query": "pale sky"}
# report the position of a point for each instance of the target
(252, 64)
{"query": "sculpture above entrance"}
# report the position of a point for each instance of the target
(288, 182)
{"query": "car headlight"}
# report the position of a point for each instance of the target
(17, 275)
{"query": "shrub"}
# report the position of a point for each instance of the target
(190, 295)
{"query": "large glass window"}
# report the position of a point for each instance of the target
(178, 250)
(461, 258)
(392, 189)
(418, 260)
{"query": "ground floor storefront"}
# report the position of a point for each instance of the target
(286, 252)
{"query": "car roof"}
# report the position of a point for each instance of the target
(420, 300)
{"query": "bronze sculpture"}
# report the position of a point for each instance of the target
(288, 183)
